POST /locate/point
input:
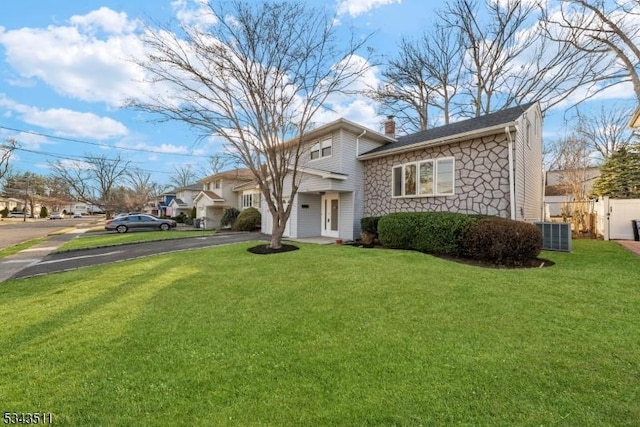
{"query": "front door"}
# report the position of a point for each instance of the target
(330, 211)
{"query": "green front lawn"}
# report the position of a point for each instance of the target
(91, 240)
(327, 335)
(20, 247)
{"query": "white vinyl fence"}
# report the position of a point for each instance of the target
(614, 217)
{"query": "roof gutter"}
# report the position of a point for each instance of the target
(440, 141)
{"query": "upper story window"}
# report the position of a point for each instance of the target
(217, 184)
(433, 177)
(321, 149)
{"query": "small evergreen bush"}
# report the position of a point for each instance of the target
(248, 220)
(503, 241)
(369, 224)
(229, 216)
(180, 218)
(4, 212)
(44, 212)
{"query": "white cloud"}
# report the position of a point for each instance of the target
(65, 122)
(76, 124)
(104, 19)
(199, 15)
(86, 60)
(358, 7)
(356, 108)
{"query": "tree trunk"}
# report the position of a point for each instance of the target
(277, 230)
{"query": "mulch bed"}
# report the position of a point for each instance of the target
(267, 250)
(532, 263)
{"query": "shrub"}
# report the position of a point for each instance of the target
(503, 241)
(369, 224)
(432, 232)
(229, 216)
(188, 221)
(369, 230)
(44, 212)
(4, 212)
(193, 212)
(248, 220)
(180, 218)
(396, 230)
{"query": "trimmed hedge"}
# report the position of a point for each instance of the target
(497, 240)
(248, 220)
(503, 241)
(432, 232)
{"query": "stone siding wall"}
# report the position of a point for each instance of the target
(481, 180)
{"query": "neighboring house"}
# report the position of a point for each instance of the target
(221, 191)
(10, 203)
(184, 200)
(488, 165)
(558, 192)
(162, 203)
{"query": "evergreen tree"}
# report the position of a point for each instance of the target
(620, 175)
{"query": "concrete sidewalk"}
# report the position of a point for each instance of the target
(631, 245)
(12, 264)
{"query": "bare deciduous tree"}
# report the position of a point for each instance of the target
(605, 33)
(183, 175)
(605, 131)
(6, 151)
(217, 163)
(424, 75)
(255, 78)
(479, 60)
(142, 189)
(93, 179)
(573, 158)
(492, 43)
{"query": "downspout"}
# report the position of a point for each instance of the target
(512, 190)
(361, 186)
(358, 142)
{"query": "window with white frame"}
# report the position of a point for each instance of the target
(321, 149)
(432, 177)
(251, 200)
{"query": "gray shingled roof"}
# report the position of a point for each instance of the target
(442, 132)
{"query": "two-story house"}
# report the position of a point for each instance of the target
(330, 198)
(224, 190)
(489, 165)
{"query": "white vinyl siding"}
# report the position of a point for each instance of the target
(433, 177)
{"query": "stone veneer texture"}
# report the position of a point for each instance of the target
(481, 180)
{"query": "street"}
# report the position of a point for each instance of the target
(14, 230)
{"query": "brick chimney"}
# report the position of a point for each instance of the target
(390, 127)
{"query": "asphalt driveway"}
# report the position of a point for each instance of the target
(56, 262)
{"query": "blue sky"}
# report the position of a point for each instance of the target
(63, 79)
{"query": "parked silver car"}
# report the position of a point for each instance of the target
(139, 222)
